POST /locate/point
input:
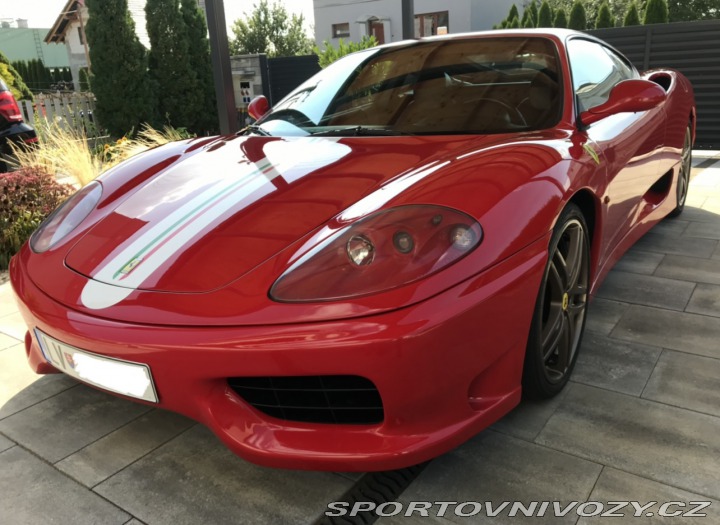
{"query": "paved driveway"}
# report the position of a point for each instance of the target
(640, 421)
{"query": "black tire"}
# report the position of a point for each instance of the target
(560, 309)
(683, 182)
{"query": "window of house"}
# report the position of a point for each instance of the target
(341, 30)
(427, 24)
(80, 35)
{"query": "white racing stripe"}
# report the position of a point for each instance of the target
(126, 271)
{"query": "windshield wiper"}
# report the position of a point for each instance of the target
(254, 128)
(360, 131)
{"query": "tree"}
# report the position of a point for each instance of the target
(119, 67)
(270, 29)
(578, 18)
(205, 120)
(656, 12)
(527, 20)
(172, 77)
(688, 10)
(330, 54)
(632, 17)
(561, 20)
(514, 23)
(533, 8)
(545, 15)
(514, 13)
(13, 79)
(604, 17)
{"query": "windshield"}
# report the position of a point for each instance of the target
(473, 85)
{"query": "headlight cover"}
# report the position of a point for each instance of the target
(385, 250)
(66, 218)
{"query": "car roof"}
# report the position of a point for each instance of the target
(546, 32)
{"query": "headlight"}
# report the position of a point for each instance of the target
(66, 218)
(383, 251)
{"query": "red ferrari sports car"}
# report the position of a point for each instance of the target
(375, 270)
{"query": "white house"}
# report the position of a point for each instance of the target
(69, 28)
(352, 19)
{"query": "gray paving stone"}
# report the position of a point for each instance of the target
(646, 289)
(615, 485)
(527, 419)
(5, 443)
(6, 341)
(637, 261)
(61, 425)
(716, 255)
(704, 230)
(686, 381)
(705, 300)
(615, 365)
(696, 213)
(667, 244)
(35, 493)
(692, 333)
(497, 468)
(134, 522)
(604, 314)
(670, 227)
(13, 325)
(690, 269)
(659, 442)
(712, 204)
(20, 387)
(7, 300)
(103, 458)
(195, 479)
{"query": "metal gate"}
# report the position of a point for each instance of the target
(690, 47)
(283, 74)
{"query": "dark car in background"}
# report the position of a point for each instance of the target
(12, 127)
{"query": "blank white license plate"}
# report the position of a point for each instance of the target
(115, 375)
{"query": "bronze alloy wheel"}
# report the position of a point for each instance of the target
(683, 182)
(560, 310)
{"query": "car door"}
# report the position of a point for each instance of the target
(629, 143)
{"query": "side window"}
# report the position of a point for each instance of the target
(626, 70)
(594, 72)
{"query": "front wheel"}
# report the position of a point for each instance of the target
(559, 318)
(683, 182)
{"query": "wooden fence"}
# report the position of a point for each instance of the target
(68, 110)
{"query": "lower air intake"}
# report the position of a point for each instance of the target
(313, 399)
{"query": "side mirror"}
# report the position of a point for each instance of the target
(627, 96)
(258, 107)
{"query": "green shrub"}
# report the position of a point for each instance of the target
(560, 20)
(578, 18)
(604, 18)
(656, 12)
(27, 196)
(632, 17)
(545, 15)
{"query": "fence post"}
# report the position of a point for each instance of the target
(648, 46)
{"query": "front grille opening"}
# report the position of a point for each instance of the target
(313, 399)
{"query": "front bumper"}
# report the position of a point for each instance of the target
(445, 368)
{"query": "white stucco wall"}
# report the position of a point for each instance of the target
(463, 15)
(76, 49)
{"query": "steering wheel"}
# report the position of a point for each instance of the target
(510, 112)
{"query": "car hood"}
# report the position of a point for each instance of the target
(219, 212)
